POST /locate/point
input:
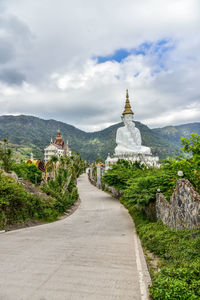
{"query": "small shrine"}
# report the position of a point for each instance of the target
(129, 142)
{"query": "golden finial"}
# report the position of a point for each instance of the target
(127, 109)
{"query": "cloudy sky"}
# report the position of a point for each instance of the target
(73, 60)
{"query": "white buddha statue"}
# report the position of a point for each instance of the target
(128, 138)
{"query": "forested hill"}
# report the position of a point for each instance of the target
(174, 133)
(28, 133)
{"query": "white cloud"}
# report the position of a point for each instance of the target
(52, 45)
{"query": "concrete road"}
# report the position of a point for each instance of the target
(93, 254)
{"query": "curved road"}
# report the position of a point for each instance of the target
(93, 254)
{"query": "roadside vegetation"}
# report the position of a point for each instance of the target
(17, 205)
(63, 187)
(179, 251)
(28, 172)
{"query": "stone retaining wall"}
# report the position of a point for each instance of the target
(183, 210)
(115, 193)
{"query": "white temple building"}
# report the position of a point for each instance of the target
(57, 148)
(129, 142)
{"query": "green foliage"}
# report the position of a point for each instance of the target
(54, 159)
(34, 175)
(17, 205)
(138, 183)
(28, 172)
(192, 145)
(142, 190)
(119, 174)
(180, 257)
(99, 160)
(6, 156)
(63, 188)
(190, 168)
(177, 282)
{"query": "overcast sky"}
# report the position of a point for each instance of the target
(73, 60)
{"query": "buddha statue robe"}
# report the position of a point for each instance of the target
(128, 139)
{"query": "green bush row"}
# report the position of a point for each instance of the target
(139, 184)
(17, 205)
(179, 251)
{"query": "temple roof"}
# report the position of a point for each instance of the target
(59, 141)
(127, 109)
(58, 144)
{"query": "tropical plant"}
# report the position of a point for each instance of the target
(192, 145)
(63, 187)
(53, 161)
(6, 156)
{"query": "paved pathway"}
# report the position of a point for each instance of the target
(94, 254)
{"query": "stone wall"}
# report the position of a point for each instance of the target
(115, 193)
(183, 210)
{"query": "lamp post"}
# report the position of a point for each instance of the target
(180, 173)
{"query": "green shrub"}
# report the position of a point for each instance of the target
(165, 287)
(28, 172)
(179, 251)
(139, 184)
(190, 168)
(120, 173)
(17, 205)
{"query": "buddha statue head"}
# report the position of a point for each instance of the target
(127, 119)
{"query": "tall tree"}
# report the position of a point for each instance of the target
(6, 155)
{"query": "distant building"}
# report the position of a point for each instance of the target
(57, 148)
(38, 163)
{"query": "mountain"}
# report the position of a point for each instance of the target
(31, 134)
(174, 133)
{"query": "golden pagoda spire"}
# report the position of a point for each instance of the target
(127, 109)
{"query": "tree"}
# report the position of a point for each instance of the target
(54, 161)
(28, 172)
(192, 145)
(6, 156)
(34, 174)
(99, 160)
